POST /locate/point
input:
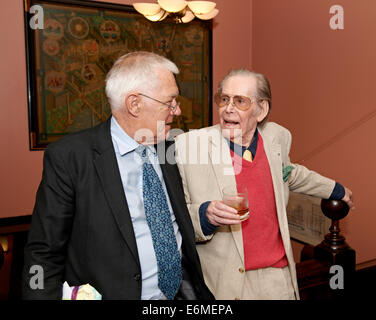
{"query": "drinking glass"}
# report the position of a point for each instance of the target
(237, 199)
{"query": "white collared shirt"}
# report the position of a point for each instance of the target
(130, 168)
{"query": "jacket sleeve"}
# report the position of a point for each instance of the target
(50, 231)
(303, 180)
(193, 208)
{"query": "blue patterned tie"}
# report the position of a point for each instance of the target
(162, 232)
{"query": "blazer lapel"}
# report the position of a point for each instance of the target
(220, 157)
(109, 175)
(273, 153)
(173, 184)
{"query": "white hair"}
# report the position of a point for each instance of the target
(135, 71)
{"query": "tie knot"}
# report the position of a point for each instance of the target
(247, 155)
(141, 151)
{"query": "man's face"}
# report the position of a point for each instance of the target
(237, 124)
(156, 116)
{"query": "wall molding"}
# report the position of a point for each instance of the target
(15, 224)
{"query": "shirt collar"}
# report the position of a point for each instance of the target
(124, 143)
(252, 147)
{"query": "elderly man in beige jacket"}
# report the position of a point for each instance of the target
(249, 259)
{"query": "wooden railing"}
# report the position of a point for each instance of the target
(327, 271)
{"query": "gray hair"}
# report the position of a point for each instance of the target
(134, 71)
(263, 91)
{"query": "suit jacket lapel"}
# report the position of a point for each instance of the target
(220, 157)
(109, 175)
(273, 153)
(172, 181)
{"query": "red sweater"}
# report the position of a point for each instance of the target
(262, 240)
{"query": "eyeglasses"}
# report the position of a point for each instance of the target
(240, 102)
(171, 107)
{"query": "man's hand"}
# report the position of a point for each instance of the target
(220, 214)
(348, 198)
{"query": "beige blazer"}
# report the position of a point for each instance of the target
(204, 161)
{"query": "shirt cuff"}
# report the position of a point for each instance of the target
(338, 192)
(206, 227)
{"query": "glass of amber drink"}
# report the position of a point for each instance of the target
(237, 199)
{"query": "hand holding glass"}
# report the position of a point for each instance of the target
(237, 199)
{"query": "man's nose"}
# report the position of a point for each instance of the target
(230, 107)
(177, 111)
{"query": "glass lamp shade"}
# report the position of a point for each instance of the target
(147, 9)
(207, 16)
(188, 17)
(172, 5)
(158, 17)
(201, 7)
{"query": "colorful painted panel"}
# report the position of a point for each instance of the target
(69, 58)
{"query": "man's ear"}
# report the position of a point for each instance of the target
(133, 104)
(263, 110)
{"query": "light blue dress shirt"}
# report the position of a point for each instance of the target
(130, 166)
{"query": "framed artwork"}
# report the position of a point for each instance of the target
(307, 223)
(72, 46)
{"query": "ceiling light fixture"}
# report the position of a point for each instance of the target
(180, 10)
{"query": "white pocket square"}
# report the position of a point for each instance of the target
(82, 292)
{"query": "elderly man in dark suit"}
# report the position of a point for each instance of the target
(110, 211)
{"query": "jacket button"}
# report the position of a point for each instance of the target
(137, 277)
(241, 270)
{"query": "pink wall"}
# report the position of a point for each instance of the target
(232, 34)
(21, 169)
(323, 84)
(323, 91)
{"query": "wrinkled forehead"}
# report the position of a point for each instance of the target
(240, 85)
